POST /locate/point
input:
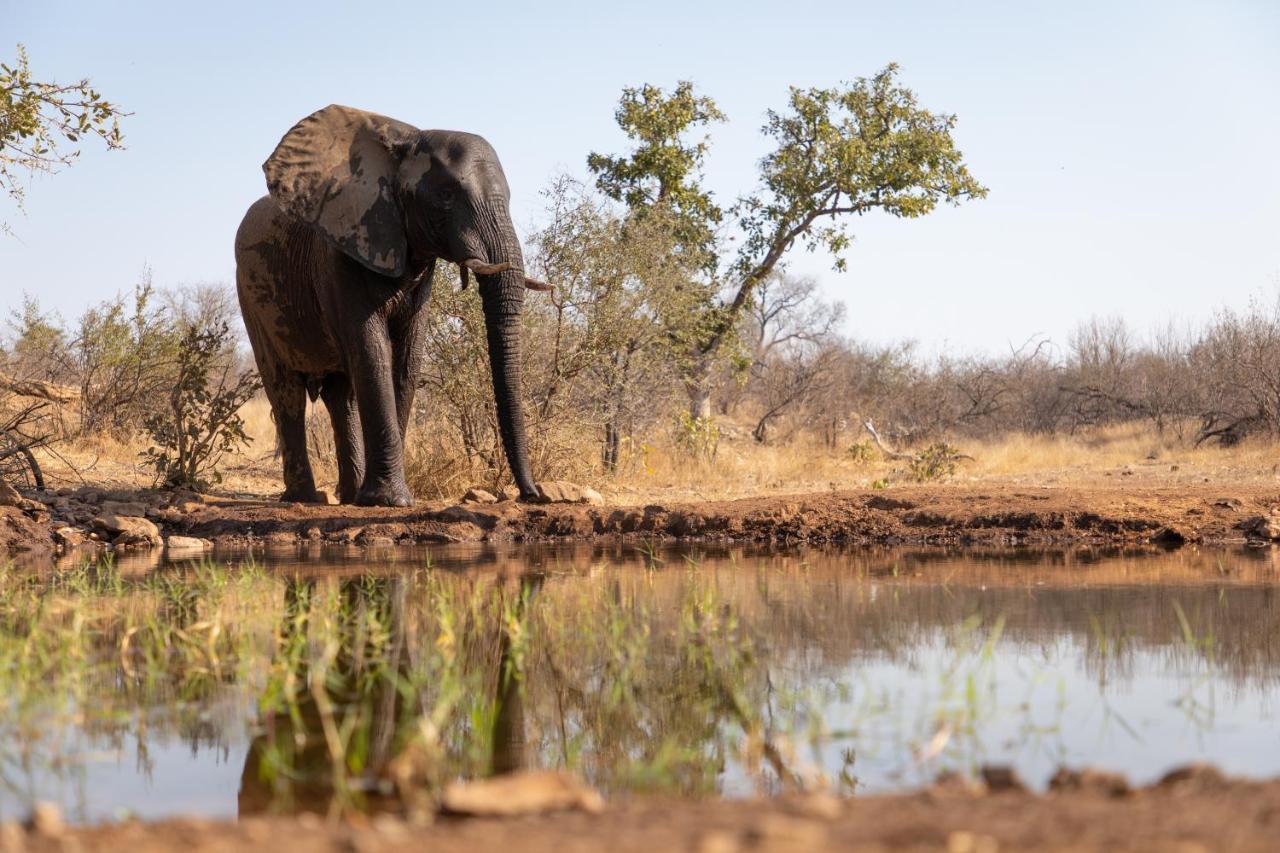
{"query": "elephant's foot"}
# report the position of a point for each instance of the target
(303, 496)
(347, 493)
(384, 494)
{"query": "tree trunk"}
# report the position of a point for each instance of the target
(699, 386)
(612, 442)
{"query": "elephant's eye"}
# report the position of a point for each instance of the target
(445, 196)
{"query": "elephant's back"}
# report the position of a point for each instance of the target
(265, 227)
(276, 270)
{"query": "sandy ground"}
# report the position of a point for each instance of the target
(1191, 810)
(961, 514)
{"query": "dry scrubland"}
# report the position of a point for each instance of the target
(1112, 456)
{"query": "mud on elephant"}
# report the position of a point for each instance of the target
(334, 269)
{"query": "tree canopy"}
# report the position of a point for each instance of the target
(41, 124)
(837, 152)
(664, 171)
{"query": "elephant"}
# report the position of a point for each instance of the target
(333, 272)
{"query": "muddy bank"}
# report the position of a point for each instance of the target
(1191, 810)
(922, 515)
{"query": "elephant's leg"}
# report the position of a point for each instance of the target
(340, 400)
(408, 345)
(371, 374)
(288, 395)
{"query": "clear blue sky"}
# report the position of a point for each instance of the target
(1130, 147)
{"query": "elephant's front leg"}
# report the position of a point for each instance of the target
(371, 375)
(340, 400)
(409, 346)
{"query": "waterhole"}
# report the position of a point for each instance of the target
(325, 680)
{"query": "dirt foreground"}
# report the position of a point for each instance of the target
(990, 515)
(1190, 810)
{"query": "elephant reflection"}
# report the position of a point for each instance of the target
(356, 721)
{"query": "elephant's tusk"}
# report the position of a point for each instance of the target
(534, 284)
(479, 267)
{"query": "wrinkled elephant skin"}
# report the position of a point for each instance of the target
(333, 271)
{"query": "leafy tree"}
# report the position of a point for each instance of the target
(37, 121)
(664, 171)
(621, 291)
(202, 422)
(838, 152)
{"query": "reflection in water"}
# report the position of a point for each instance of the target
(325, 682)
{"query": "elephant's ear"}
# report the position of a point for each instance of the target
(337, 170)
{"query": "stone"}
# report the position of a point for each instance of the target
(479, 496)
(1091, 781)
(46, 820)
(510, 492)
(1260, 526)
(524, 793)
(69, 537)
(129, 508)
(1171, 536)
(9, 496)
(457, 513)
(129, 530)
(1202, 777)
(562, 491)
(187, 543)
(1000, 778)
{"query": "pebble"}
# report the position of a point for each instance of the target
(46, 820)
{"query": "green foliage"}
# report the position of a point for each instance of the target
(847, 150)
(202, 423)
(698, 436)
(936, 462)
(862, 452)
(37, 117)
(122, 355)
(841, 151)
(663, 172)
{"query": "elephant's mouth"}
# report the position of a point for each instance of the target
(479, 267)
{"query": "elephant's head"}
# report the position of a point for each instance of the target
(395, 198)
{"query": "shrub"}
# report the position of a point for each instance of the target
(936, 462)
(861, 452)
(699, 437)
(202, 422)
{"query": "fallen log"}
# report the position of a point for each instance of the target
(39, 390)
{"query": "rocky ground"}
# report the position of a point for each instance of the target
(1195, 809)
(960, 514)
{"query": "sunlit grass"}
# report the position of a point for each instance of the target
(656, 466)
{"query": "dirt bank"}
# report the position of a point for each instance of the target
(1191, 811)
(918, 515)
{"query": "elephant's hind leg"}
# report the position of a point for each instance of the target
(288, 395)
(340, 400)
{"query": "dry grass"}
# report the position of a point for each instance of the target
(660, 470)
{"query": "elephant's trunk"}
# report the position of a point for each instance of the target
(502, 295)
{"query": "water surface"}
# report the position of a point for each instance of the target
(333, 679)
